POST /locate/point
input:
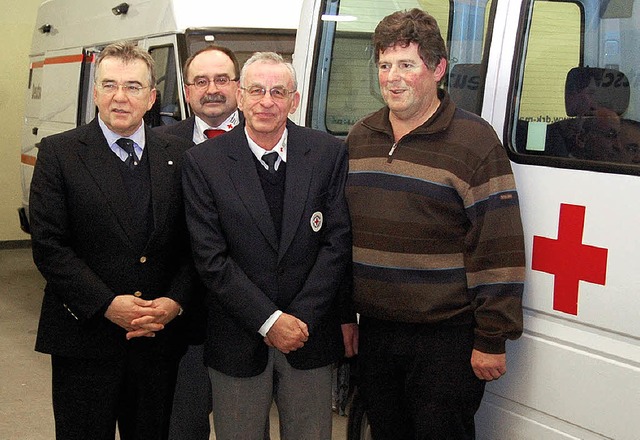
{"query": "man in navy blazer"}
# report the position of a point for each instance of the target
(109, 237)
(272, 243)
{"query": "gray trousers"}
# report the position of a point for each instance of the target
(241, 405)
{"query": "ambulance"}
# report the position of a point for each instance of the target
(69, 34)
(560, 83)
(558, 80)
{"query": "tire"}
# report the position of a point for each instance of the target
(358, 424)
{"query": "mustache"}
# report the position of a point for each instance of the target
(215, 98)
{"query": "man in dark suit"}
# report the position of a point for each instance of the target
(211, 82)
(270, 232)
(109, 237)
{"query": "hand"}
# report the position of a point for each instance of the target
(165, 311)
(125, 309)
(488, 366)
(287, 334)
(350, 337)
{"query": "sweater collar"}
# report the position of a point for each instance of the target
(439, 121)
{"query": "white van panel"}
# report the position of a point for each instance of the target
(592, 357)
(271, 14)
(599, 397)
(89, 23)
(610, 223)
(60, 82)
(502, 419)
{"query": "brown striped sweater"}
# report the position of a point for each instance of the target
(437, 235)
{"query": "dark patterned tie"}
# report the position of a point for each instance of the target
(127, 145)
(213, 132)
(270, 159)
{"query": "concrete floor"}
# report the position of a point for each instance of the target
(25, 390)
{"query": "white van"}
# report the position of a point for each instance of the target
(70, 33)
(575, 373)
(520, 64)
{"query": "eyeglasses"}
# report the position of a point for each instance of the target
(257, 92)
(110, 88)
(203, 82)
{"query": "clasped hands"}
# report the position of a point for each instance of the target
(289, 333)
(141, 317)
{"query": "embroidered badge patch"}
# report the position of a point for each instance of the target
(316, 221)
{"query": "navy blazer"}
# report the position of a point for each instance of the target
(83, 242)
(248, 273)
(183, 129)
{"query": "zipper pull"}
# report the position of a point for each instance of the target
(393, 148)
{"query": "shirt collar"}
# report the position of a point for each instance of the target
(280, 148)
(137, 137)
(200, 126)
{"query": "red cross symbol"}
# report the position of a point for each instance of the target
(568, 259)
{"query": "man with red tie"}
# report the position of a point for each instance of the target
(211, 82)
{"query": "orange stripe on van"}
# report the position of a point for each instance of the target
(28, 160)
(65, 59)
(37, 64)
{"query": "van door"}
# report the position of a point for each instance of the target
(568, 114)
(30, 129)
(60, 90)
(170, 104)
(52, 103)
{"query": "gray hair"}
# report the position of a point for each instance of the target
(271, 58)
(128, 52)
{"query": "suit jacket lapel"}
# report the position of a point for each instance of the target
(102, 164)
(246, 182)
(299, 172)
(186, 128)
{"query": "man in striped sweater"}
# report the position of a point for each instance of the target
(437, 244)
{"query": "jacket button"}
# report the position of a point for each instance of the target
(137, 293)
(143, 259)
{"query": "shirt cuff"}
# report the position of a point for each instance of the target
(269, 323)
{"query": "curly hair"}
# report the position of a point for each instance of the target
(414, 26)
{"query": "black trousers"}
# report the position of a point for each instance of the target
(192, 400)
(91, 395)
(416, 381)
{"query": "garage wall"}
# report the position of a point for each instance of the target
(17, 21)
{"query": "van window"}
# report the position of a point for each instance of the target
(166, 109)
(346, 85)
(243, 44)
(87, 109)
(577, 95)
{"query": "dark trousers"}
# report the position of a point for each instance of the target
(416, 381)
(91, 395)
(192, 399)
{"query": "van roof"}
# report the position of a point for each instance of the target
(85, 23)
